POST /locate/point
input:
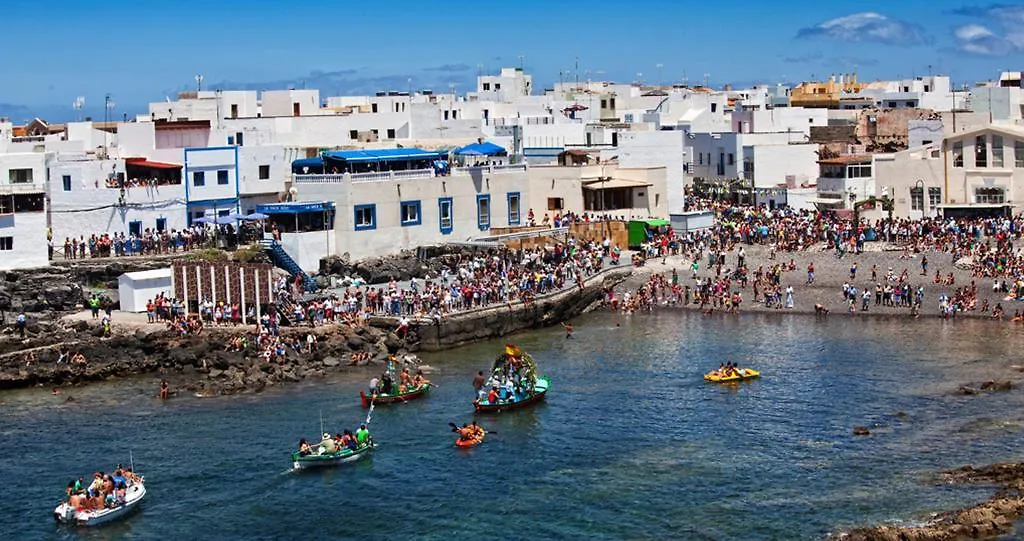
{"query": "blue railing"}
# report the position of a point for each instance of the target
(284, 261)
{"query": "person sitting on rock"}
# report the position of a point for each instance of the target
(78, 358)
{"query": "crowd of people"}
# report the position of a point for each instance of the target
(330, 445)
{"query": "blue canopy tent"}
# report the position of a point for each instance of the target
(384, 159)
(481, 149)
(308, 166)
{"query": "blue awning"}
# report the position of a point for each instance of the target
(294, 208)
(383, 155)
(308, 165)
(482, 149)
(222, 203)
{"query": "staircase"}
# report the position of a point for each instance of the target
(284, 261)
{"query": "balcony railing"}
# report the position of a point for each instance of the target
(403, 175)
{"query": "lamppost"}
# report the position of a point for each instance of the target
(199, 83)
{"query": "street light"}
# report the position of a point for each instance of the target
(199, 83)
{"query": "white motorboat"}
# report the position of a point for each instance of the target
(66, 514)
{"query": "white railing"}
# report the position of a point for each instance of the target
(22, 187)
(318, 179)
(414, 173)
(363, 177)
(508, 168)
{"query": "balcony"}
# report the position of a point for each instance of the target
(383, 176)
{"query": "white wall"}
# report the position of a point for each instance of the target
(281, 102)
(36, 162)
(212, 163)
(773, 163)
(307, 249)
(657, 148)
(28, 240)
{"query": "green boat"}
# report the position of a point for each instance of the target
(330, 460)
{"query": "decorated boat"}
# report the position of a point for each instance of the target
(514, 383)
(67, 513)
(388, 390)
(739, 374)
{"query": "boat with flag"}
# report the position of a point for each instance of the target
(331, 451)
(513, 383)
(395, 387)
(109, 497)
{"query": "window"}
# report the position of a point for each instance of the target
(135, 228)
(374, 133)
(67, 182)
(611, 103)
(234, 110)
(391, 133)
(604, 104)
(487, 86)
(238, 138)
(917, 198)
(714, 107)
(353, 134)
(934, 197)
(1018, 153)
(732, 159)
(497, 86)
(373, 107)
(20, 176)
(980, 152)
(296, 109)
(6, 204)
(513, 208)
(997, 151)
(992, 196)
(161, 224)
(444, 214)
(198, 214)
(858, 171)
(231, 139)
(556, 203)
(483, 211)
(366, 217)
(6, 244)
(958, 154)
(411, 213)
(222, 177)
(199, 178)
(700, 158)
(223, 213)
(264, 172)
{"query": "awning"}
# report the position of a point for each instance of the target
(614, 183)
(143, 162)
(824, 201)
(972, 205)
(294, 208)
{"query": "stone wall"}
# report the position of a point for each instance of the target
(497, 321)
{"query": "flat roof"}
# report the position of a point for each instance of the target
(383, 155)
(847, 159)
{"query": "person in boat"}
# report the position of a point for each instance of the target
(349, 440)
(492, 397)
(479, 381)
(304, 449)
(362, 436)
(327, 445)
(405, 378)
(419, 381)
(478, 431)
(165, 390)
(386, 383)
(374, 386)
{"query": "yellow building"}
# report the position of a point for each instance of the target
(824, 95)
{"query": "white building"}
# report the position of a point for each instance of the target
(22, 211)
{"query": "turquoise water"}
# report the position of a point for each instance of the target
(631, 442)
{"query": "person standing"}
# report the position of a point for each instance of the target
(22, 322)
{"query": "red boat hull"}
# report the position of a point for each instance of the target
(391, 399)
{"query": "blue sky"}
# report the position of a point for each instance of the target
(142, 51)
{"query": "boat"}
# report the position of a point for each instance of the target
(66, 514)
(389, 398)
(533, 388)
(740, 374)
(330, 460)
(471, 442)
(381, 398)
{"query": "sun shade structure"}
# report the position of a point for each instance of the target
(481, 149)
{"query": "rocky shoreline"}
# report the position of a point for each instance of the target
(985, 520)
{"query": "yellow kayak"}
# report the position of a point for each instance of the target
(739, 375)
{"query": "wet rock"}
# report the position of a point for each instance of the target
(393, 343)
(965, 390)
(861, 431)
(331, 362)
(996, 386)
(355, 342)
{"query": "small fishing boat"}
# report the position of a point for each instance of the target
(739, 374)
(514, 375)
(329, 460)
(66, 514)
(382, 398)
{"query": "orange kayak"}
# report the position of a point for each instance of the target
(470, 442)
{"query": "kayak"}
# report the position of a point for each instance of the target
(540, 388)
(381, 398)
(740, 375)
(325, 460)
(69, 515)
(465, 444)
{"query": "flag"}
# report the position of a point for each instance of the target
(512, 351)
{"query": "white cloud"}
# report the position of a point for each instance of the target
(867, 26)
(980, 40)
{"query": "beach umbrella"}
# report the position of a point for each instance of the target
(256, 216)
(205, 220)
(225, 220)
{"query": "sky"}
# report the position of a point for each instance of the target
(141, 52)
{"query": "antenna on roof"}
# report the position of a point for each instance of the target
(78, 104)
